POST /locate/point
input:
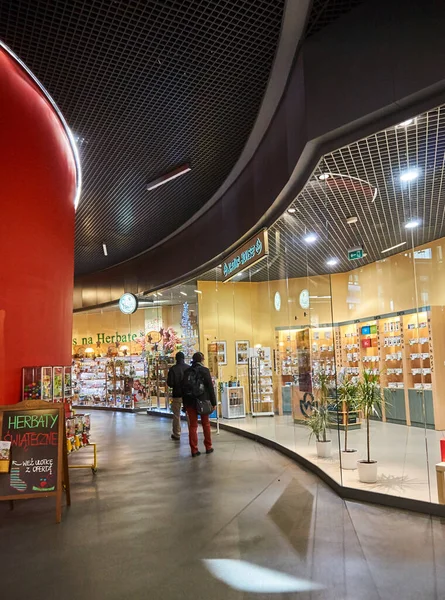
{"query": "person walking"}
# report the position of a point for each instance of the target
(202, 378)
(174, 381)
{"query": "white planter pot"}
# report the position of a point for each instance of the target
(349, 460)
(367, 472)
(324, 449)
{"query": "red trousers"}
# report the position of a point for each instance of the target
(192, 419)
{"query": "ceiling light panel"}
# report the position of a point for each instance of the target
(325, 205)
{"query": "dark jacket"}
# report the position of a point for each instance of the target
(175, 377)
(209, 391)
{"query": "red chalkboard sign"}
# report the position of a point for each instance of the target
(38, 465)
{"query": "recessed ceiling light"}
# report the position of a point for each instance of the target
(310, 238)
(183, 293)
(182, 170)
(409, 175)
(412, 224)
(291, 210)
(104, 247)
(406, 123)
(393, 247)
(351, 220)
(324, 176)
(332, 262)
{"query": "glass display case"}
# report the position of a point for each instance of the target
(57, 383)
(37, 383)
(67, 382)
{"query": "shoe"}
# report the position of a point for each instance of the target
(210, 451)
(196, 454)
(174, 437)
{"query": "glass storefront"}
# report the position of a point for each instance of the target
(121, 361)
(332, 343)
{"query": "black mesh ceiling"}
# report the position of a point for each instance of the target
(324, 12)
(147, 86)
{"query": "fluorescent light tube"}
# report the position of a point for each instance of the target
(104, 246)
(182, 170)
(393, 247)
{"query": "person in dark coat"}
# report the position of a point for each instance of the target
(174, 381)
(190, 407)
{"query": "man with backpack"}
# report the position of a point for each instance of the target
(198, 397)
(174, 381)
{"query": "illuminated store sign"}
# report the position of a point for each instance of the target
(246, 255)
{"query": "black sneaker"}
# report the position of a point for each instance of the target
(210, 451)
(196, 454)
(174, 437)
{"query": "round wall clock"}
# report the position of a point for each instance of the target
(304, 299)
(277, 301)
(128, 304)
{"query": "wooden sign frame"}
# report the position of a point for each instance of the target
(62, 483)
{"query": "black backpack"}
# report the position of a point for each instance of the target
(193, 383)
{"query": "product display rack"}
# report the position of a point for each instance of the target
(232, 401)
(398, 347)
(37, 383)
(118, 383)
(159, 367)
(261, 387)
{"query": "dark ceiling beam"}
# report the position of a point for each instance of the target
(374, 67)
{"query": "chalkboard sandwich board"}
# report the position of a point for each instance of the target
(38, 458)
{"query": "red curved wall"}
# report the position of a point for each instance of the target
(37, 186)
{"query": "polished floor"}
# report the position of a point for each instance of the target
(243, 523)
(406, 456)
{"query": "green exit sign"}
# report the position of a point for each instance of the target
(355, 253)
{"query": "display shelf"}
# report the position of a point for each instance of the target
(348, 348)
(233, 404)
(109, 382)
(261, 384)
(418, 354)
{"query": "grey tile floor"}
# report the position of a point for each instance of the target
(145, 524)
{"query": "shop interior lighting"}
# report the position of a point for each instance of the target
(324, 176)
(159, 294)
(291, 210)
(406, 123)
(310, 238)
(412, 224)
(409, 175)
(182, 170)
(104, 246)
(183, 293)
(393, 247)
(351, 220)
(332, 262)
(198, 292)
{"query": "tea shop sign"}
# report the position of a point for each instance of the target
(247, 255)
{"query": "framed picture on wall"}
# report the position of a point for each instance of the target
(221, 351)
(242, 352)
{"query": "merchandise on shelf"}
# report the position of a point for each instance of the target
(77, 432)
(232, 400)
(261, 385)
(110, 382)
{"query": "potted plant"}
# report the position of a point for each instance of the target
(347, 401)
(370, 402)
(320, 421)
